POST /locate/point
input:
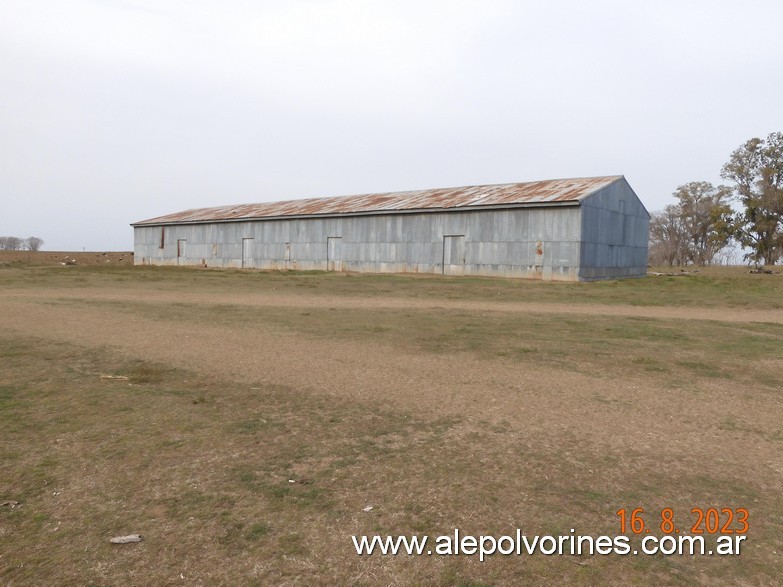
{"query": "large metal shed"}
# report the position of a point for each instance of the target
(565, 229)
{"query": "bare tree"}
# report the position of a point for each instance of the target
(694, 230)
(33, 243)
(668, 237)
(10, 243)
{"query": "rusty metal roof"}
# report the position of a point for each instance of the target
(546, 192)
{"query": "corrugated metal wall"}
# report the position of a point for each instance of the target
(490, 243)
(542, 243)
(615, 228)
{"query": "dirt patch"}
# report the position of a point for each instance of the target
(49, 258)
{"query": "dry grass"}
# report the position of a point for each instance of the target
(713, 287)
(593, 344)
(198, 455)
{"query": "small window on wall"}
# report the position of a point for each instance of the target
(162, 237)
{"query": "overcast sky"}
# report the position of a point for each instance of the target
(114, 111)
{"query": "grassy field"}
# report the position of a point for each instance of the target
(242, 422)
(719, 287)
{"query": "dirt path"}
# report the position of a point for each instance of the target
(540, 402)
(299, 300)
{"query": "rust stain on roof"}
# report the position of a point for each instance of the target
(536, 192)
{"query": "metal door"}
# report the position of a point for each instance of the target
(181, 251)
(454, 254)
(247, 252)
(334, 260)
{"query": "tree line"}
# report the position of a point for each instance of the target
(703, 224)
(14, 243)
